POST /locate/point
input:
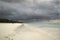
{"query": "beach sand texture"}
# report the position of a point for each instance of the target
(18, 31)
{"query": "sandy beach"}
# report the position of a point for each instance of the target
(17, 31)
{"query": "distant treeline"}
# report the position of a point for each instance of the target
(8, 21)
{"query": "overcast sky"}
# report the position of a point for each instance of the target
(30, 9)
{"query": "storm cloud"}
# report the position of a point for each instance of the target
(28, 10)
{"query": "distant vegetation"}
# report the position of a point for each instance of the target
(8, 21)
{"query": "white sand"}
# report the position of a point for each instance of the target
(28, 32)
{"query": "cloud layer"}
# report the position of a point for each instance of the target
(28, 10)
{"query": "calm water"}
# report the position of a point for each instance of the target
(45, 24)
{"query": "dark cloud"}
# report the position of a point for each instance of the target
(29, 11)
(13, 0)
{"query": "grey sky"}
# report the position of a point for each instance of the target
(33, 9)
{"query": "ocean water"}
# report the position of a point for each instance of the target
(45, 24)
